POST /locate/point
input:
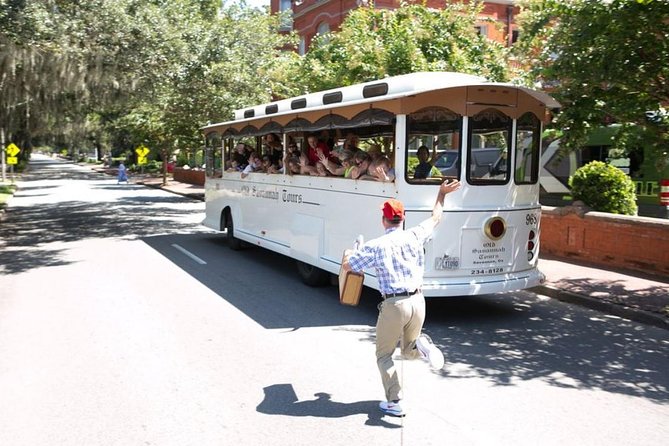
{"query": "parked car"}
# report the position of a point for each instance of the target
(483, 162)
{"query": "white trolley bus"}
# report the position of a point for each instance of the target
(485, 134)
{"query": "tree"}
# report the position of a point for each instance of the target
(375, 43)
(213, 65)
(122, 71)
(606, 62)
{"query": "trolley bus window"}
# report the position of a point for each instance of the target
(528, 136)
(437, 129)
(213, 155)
(488, 148)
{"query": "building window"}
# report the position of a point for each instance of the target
(515, 34)
(482, 30)
(286, 12)
(323, 28)
(302, 47)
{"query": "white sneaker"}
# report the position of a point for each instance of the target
(390, 408)
(430, 352)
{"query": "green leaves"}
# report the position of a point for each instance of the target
(375, 43)
(604, 188)
(605, 61)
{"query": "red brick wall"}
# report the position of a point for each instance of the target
(309, 14)
(189, 176)
(617, 241)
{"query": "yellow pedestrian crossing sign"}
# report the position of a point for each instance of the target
(12, 160)
(141, 152)
(12, 151)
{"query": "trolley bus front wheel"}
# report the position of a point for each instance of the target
(311, 275)
(234, 243)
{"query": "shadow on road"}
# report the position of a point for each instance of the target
(280, 399)
(34, 228)
(562, 344)
(502, 338)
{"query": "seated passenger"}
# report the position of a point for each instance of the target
(374, 151)
(424, 166)
(321, 171)
(361, 161)
(305, 167)
(273, 147)
(351, 142)
(241, 155)
(346, 158)
(384, 171)
(293, 164)
(254, 165)
(314, 147)
(266, 165)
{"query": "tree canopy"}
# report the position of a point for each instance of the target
(606, 61)
(126, 71)
(375, 43)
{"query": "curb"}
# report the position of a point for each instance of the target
(194, 196)
(633, 314)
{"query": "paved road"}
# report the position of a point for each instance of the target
(122, 322)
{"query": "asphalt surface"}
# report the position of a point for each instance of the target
(626, 294)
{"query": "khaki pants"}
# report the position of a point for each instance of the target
(400, 319)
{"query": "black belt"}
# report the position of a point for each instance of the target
(401, 294)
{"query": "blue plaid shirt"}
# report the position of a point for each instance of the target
(398, 258)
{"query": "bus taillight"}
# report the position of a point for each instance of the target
(530, 245)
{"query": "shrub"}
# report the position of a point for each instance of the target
(604, 188)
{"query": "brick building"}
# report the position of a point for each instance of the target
(312, 17)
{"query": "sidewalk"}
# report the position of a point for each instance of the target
(626, 294)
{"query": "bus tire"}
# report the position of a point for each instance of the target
(311, 275)
(234, 243)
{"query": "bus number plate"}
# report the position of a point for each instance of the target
(447, 262)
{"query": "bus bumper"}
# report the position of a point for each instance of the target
(485, 285)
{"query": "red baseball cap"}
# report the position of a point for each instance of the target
(393, 210)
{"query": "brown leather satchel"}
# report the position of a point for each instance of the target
(350, 285)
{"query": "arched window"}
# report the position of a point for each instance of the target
(528, 137)
(323, 28)
(488, 147)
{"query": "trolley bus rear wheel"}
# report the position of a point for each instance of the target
(234, 243)
(311, 275)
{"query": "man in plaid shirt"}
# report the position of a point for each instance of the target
(399, 260)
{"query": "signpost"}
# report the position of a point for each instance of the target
(12, 151)
(141, 151)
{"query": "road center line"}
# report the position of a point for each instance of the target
(189, 254)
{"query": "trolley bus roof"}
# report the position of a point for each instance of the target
(367, 95)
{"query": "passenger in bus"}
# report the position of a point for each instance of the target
(383, 171)
(266, 165)
(351, 142)
(254, 164)
(327, 139)
(233, 166)
(305, 167)
(321, 171)
(293, 164)
(273, 147)
(343, 170)
(361, 161)
(425, 165)
(293, 151)
(241, 155)
(314, 147)
(374, 152)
